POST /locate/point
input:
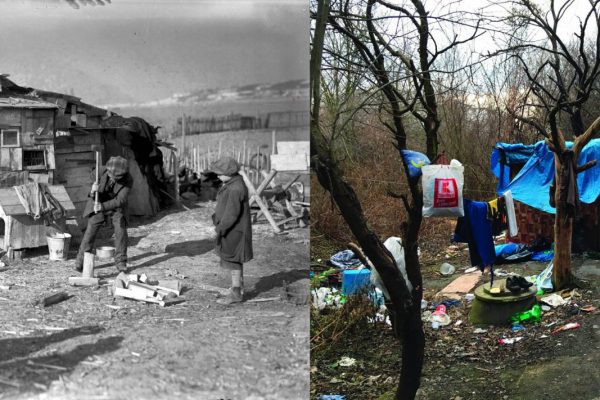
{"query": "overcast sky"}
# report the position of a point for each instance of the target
(149, 49)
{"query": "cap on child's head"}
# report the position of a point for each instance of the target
(225, 166)
(117, 167)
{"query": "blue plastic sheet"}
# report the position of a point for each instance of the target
(332, 397)
(532, 184)
(543, 256)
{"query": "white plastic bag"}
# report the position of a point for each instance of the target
(442, 190)
(394, 246)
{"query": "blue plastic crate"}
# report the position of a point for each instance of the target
(353, 280)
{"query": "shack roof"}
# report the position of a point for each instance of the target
(24, 102)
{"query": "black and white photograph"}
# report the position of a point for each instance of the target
(154, 199)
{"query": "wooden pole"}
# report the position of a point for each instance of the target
(244, 152)
(183, 135)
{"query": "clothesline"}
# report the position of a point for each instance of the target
(403, 184)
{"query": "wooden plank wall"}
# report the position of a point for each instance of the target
(75, 163)
(36, 128)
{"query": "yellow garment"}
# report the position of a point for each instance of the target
(494, 206)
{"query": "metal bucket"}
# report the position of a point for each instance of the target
(58, 246)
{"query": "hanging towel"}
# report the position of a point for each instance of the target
(475, 229)
(513, 228)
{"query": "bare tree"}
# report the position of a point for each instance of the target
(560, 85)
(398, 48)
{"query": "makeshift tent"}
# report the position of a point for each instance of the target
(532, 170)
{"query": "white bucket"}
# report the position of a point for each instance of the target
(58, 246)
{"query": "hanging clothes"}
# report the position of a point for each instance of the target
(513, 228)
(476, 230)
(39, 202)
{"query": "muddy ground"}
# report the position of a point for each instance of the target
(83, 349)
(462, 364)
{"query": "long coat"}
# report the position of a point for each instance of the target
(232, 222)
(113, 201)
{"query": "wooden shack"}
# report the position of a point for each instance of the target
(47, 137)
(27, 129)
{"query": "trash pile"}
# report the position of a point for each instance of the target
(142, 288)
(347, 276)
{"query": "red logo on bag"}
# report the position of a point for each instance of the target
(445, 193)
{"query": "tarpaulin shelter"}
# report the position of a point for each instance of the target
(528, 171)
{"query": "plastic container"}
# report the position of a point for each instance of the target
(354, 280)
(447, 269)
(439, 316)
(58, 246)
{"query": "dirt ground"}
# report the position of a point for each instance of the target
(93, 347)
(461, 363)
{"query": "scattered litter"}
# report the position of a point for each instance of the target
(175, 233)
(174, 273)
(546, 308)
(447, 269)
(469, 297)
(457, 323)
(327, 297)
(544, 336)
(113, 306)
(510, 340)
(588, 309)
(346, 362)
(450, 303)
(423, 304)
(500, 273)
(544, 280)
(567, 327)
(517, 327)
(133, 353)
(5, 287)
(332, 397)
(439, 317)
(471, 269)
(379, 317)
(535, 314)
(345, 259)
(554, 300)
(53, 299)
(480, 330)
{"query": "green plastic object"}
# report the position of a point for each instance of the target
(535, 315)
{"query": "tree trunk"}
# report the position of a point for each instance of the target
(413, 353)
(563, 236)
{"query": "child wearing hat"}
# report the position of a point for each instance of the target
(232, 225)
(113, 190)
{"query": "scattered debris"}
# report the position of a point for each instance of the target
(346, 362)
(554, 300)
(510, 340)
(447, 269)
(53, 299)
(480, 330)
(163, 294)
(174, 273)
(567, 327)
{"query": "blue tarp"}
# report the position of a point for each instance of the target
(506, 154)
(532, 184)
